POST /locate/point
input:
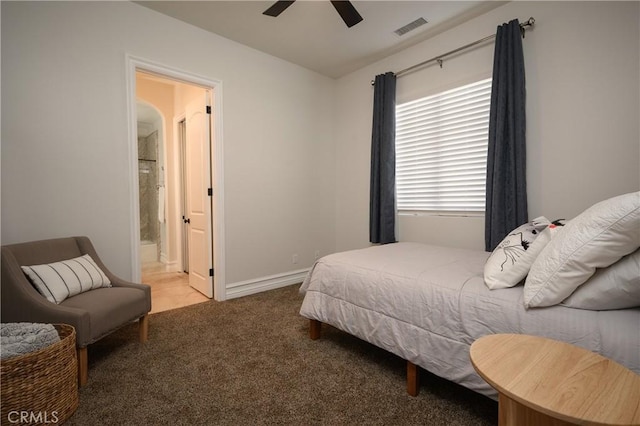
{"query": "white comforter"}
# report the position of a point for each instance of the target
(427, 304)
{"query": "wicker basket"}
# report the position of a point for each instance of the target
(41, 387)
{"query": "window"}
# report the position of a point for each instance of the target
(441, 151)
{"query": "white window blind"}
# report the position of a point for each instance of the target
(441, 150)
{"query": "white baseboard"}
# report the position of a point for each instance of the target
(166, 261)
(149, 252)
(257, 285)
(172, 267)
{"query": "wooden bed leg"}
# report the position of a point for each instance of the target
(143, 325)
(314, 329)
(413, 379)
(83, 366)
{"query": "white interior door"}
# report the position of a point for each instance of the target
(198, 162)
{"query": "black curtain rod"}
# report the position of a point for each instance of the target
(439, 59)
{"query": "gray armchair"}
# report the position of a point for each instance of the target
(94, 313)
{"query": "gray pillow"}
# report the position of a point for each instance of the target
(614, 287)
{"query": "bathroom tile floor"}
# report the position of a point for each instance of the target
(169, 289)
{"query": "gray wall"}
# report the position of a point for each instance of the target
(296, 143)
(63, 78)
(583, 93)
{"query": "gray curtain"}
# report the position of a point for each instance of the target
(382, 202)
(506, 203)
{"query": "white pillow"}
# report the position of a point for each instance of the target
(596, 238)
(615, 287)
(60, 280)
(511, 259)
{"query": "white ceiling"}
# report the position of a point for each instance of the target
(310, 33)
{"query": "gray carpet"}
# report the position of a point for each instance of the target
(250, 361)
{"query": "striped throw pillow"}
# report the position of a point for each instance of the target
(60, 280)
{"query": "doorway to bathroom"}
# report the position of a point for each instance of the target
(150, 182)
(175, 189)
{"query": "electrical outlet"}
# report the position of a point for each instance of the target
(294, 259)
(316, 255)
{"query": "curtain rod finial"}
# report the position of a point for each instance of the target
(529, 22)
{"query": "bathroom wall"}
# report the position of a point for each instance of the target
(160, 95)
(147, 183)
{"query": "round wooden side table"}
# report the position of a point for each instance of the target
(546, 382)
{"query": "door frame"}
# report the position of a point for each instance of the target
(179, 125)
(134, 64)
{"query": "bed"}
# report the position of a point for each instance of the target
(427, 304)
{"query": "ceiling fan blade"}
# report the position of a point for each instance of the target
(347, 12)
(278, 7)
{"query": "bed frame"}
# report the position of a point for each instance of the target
(413, 375)
(458, 309)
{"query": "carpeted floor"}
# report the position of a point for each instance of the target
(250, 361)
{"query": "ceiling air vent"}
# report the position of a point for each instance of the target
(411, 26)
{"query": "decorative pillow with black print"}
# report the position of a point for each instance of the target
(511, 260)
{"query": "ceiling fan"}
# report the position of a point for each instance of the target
(347, 12)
